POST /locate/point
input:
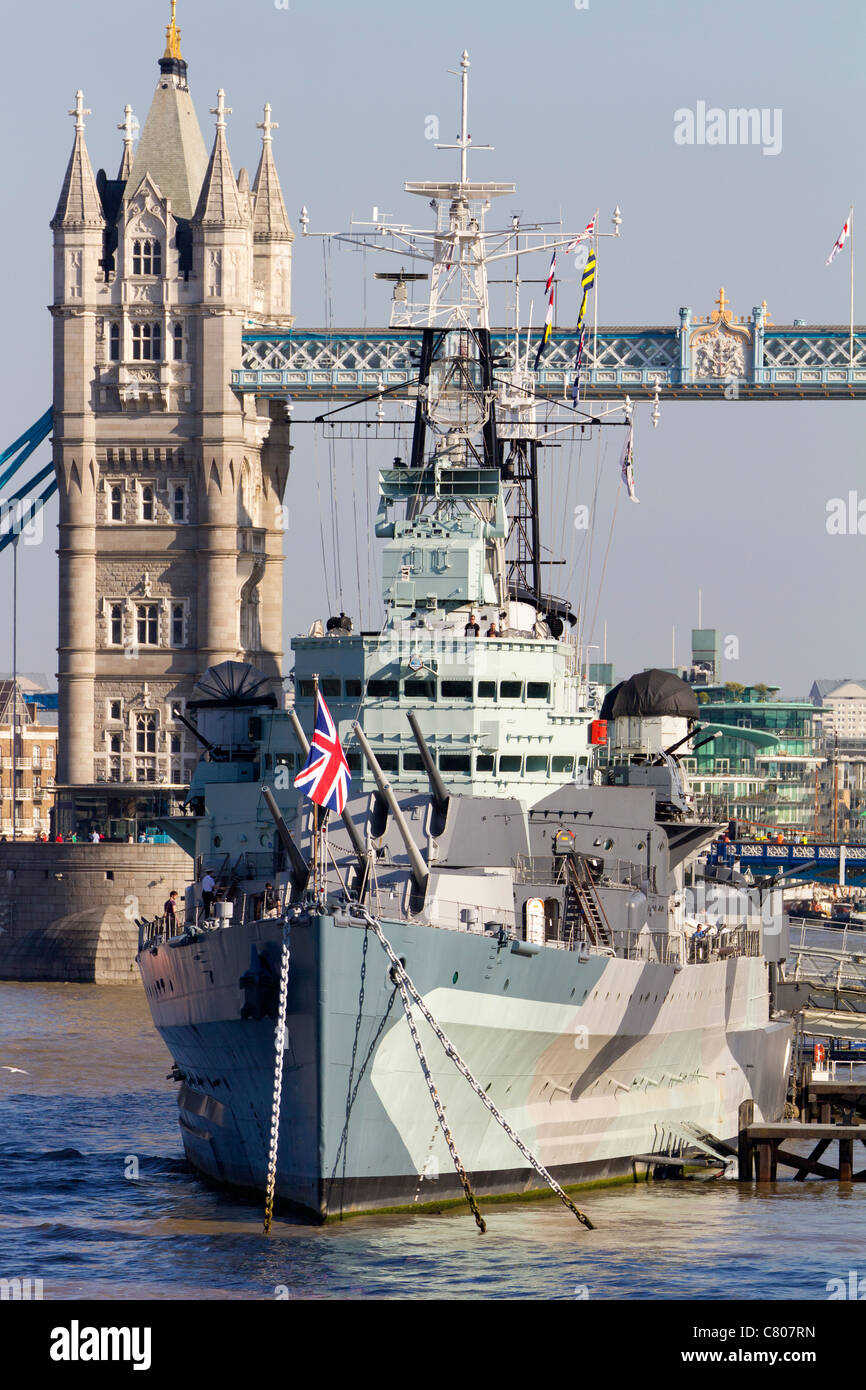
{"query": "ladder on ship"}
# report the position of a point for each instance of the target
(582, 905)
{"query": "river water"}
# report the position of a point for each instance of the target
(97, 1202)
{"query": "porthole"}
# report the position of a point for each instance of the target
(507, 983)
(455, 977)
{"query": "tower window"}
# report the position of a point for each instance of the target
(114, 711)
(146, 258)
(116, 504)
(178, 342)
(178, 503)
(147, 504)
(175, 745)
(114, 342)
(147, 624)
(115, 743)
(145, 734)
(116, 619)
(147, 342)
(177, 625)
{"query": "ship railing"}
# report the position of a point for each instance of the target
(546, 870)
(161, 928)
(700, 948)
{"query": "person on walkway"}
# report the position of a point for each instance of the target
(208, 886)
(169, 909)
(472, 629)
(492, 631)
(94, 837)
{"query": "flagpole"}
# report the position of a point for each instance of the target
(851, 307)
(315, 804)
(595, 296)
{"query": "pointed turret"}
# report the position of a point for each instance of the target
(219, 202)
(79, 204)
(171, 148)
(272, 236)
(127, 125)
(270, 222)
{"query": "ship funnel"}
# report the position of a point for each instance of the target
(420, 872)
(439, 793)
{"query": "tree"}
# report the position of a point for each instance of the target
(762, 691)
(735, 690)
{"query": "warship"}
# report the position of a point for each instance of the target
(493, 947)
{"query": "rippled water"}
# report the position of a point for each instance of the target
(95, 1096)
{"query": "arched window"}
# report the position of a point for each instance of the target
(114, 342)
(147, 342)
(116, 504)
(178, 342)
(146, 257)
(147, 504)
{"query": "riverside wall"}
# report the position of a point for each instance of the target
(67, 912)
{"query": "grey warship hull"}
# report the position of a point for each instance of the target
(592, 1059)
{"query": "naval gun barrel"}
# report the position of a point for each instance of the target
(353, 831)
(672, 748)
(438, 789)
(420, 872)
(300, 867)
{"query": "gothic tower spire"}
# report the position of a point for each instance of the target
(171, 148)
(272, 235)
(79, 203)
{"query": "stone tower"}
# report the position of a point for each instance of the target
(171, 488)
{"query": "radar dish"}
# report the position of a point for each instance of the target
(233, 682)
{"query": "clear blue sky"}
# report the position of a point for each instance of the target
(580, 107)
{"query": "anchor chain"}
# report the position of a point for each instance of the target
(440, 1113)
(279, 1052)
(450, 1051)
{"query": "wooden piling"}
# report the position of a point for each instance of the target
(846, 1160)
(745, 1153)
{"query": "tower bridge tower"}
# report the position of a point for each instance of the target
(170, 485)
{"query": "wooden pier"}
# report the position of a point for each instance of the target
(760, 1150)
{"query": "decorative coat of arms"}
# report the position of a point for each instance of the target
(719, 345)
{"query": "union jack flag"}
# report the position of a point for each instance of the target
(326, 777)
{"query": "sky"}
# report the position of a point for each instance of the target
(580, 105)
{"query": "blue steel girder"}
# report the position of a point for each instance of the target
(700, 360)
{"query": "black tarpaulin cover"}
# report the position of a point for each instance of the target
(651, 692)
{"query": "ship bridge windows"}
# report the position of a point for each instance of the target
(455, 762)
(484, 762)
(389, 762)
(509, 763)
(420, 688)
(383, 689)
(562, 764)
(330, 687)
(456, 690)
(413, 762)
(537, 764)
(487, 690)
(511, 690)
(354, 690)
(537, 690)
